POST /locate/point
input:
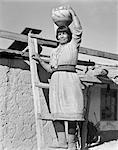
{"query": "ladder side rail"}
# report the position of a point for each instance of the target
(36, 96)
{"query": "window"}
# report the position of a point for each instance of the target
(108, 104)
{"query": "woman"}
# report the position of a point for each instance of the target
(65, 93)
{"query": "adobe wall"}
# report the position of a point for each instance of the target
(17, 121)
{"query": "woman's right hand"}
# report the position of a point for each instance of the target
(36, 57)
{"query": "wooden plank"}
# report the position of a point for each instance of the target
(96, 79)
(11, 52)
(54, 44)
(36, 95)
(98, 53)
(46, 58)
(42, 85)
(90, 79)
(24, 38)
(87, 94)
(17, 45)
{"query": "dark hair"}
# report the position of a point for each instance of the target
(64, 29)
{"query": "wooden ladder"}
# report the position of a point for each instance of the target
(38, 98)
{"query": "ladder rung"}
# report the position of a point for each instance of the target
(67, 117)
(35, 35)
(42, 85)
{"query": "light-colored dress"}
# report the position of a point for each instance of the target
(65, 94)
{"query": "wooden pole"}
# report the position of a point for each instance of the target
(36, 96)
(84, 125)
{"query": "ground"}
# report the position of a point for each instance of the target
(112, 145)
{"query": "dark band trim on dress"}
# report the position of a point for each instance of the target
(67, 68)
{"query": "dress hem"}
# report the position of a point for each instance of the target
(63, 116)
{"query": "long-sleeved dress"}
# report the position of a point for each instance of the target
(65, 93)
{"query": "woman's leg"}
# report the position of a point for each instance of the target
(71, 127)
(61, 135)
(59, 126)
(71, 135)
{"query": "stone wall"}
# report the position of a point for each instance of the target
(17, 121)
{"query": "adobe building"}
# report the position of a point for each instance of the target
(17, 118)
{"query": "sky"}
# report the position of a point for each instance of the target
(98, 19)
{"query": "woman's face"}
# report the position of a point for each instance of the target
(63, 37)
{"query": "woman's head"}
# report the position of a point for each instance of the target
(64, 34)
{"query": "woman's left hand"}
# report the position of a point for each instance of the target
(71, 10)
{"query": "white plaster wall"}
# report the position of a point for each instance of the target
(17, 125)
(17, 121)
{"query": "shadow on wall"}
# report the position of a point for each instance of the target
(14, 63)
(44, 76)
(19, 63)
(110, 135)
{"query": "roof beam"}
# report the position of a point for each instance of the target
(12, 53)
(54, 44)
(98, 53)
(24, 38)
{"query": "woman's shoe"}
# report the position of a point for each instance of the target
(71, 142)
(62, 142)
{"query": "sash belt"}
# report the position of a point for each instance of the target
(68, 68)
